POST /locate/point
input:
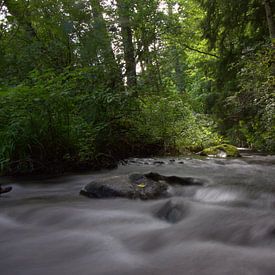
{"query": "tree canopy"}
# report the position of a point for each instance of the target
(89, 82)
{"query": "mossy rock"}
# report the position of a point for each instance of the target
(223, 150)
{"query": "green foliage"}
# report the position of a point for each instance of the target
(85, 83)
(53, 119)
(240, 79)
(254, 102)
(71, 119)
(39, 128)
(199, 132)
(161, 116)
(35, 127)
(168, 118)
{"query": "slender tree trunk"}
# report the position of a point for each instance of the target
(270, 20)
(271, 27)
(102, 34)
(178, 67)
(128, 45)
(101, 29)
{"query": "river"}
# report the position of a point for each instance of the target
(228, 225)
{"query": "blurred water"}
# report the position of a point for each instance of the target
(226, 226)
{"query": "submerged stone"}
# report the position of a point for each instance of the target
(172, 211)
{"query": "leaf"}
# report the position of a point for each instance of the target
(141, 185)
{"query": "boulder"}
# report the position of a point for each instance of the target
(222, 151)
(136, 186)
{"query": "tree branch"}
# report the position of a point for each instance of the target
(199, 51)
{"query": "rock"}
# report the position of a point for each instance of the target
(136, 177)
(136, 186)
(107, 189)
(158, 162)
(222, 151)
(5, 189)
(175, 179)
(172, 211)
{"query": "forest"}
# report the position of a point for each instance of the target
(86, 83)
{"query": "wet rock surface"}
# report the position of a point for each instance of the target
(136, 186)
(175, 179)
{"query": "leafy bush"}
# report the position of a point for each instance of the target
(169, 119)
(53, 119)
(37, 128)
(254, 103)
(71, 120)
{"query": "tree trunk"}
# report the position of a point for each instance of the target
(271, 27)
(127, 38)
(270, 20)
(101, 30)
(105, 43)
(178, 66)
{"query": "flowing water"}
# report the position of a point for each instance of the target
(226, 227)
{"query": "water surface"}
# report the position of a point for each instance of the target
(227, 226)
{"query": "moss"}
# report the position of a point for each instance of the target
(230, 150)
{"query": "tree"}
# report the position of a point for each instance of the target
(270, 20)
(124, 10)
(271, 27)
(238, 31)
(104, 43)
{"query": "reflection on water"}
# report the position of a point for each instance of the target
(225, 227)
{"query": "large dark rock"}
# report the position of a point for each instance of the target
(136, 186)
(133, 187)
